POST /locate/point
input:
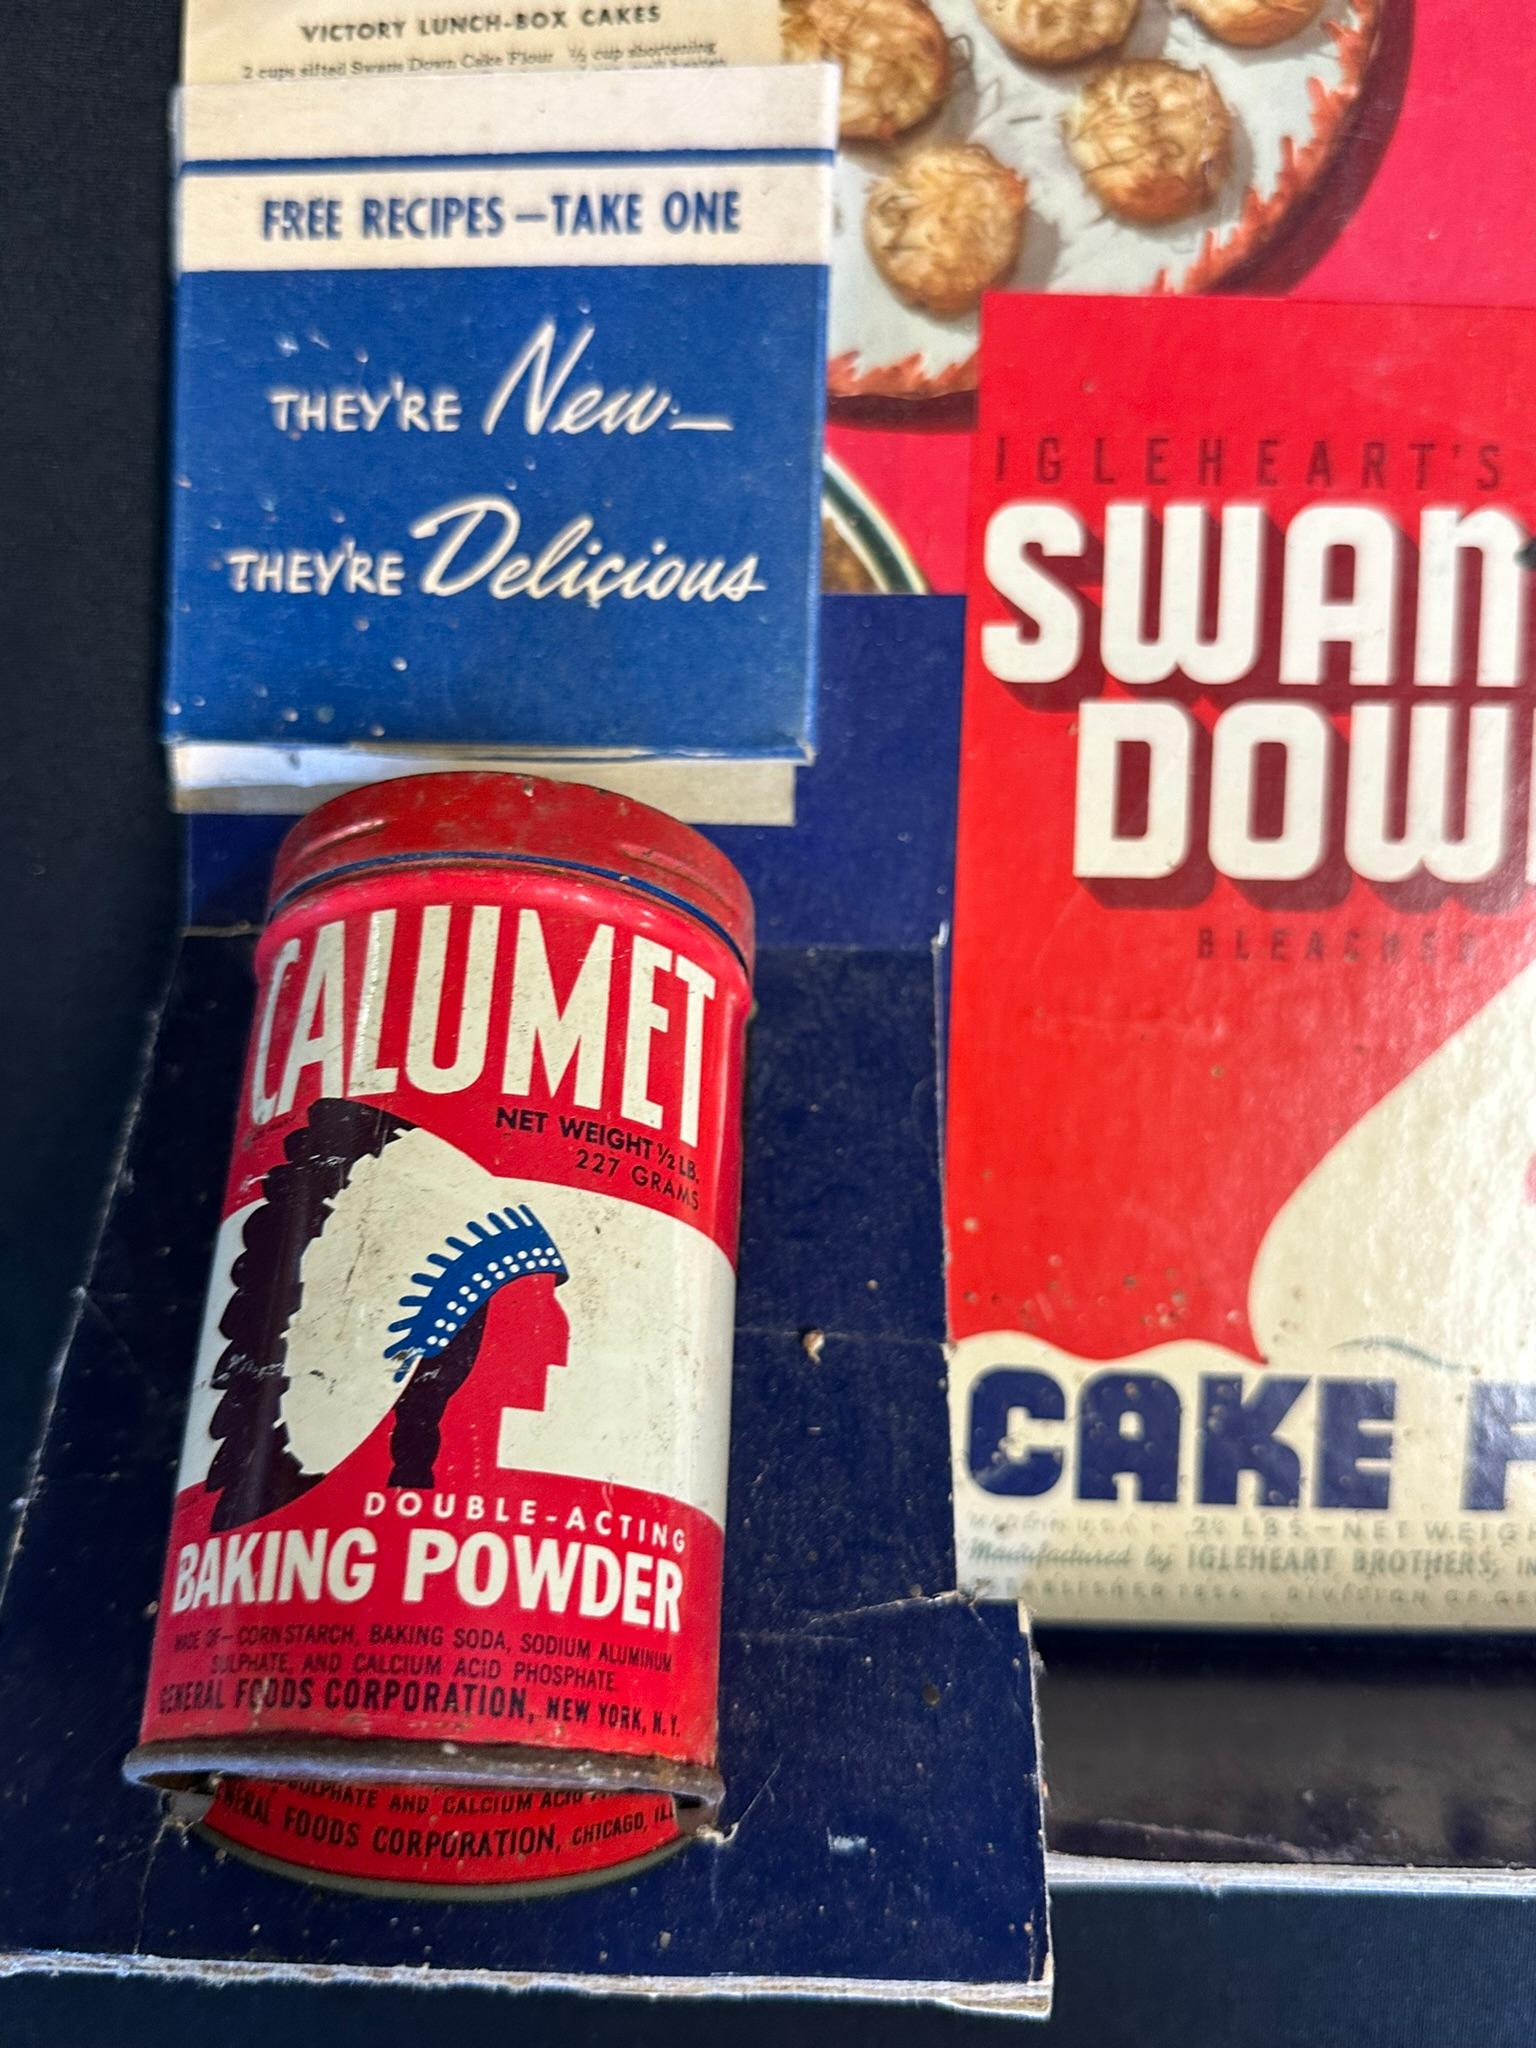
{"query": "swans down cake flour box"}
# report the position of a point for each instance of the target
(1241, 1153)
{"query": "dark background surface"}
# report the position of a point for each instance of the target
(87, 867)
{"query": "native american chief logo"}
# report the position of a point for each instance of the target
(325, 1250)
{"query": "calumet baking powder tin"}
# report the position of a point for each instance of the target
(451, 1503)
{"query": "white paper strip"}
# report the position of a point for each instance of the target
(280, 39)
(210, 776)
(788, 106)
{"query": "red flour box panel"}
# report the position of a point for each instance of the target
(1242, 1111)
(452, 1494)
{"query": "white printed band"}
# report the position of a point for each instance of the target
(667, 1436)
(491, 214)
(750, 107)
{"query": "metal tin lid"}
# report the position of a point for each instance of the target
(491, 814)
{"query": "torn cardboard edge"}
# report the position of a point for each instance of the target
(1018, 2001)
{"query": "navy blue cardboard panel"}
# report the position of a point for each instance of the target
(841, 1225)
(868, 861)
(883, 1824)
(842, 1415)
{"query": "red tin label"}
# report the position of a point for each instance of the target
(455, 1463)
(442, 1839)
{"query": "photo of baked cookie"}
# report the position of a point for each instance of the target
(1164, 145)
(894, 55)
(1152, 140)
(945, 225)
(1058, 31)
(1253, 24)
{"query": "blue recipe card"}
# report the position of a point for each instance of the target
(498, 412)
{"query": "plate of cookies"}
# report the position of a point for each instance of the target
(1060, 145)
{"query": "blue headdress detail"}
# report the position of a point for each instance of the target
(508, 1245)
